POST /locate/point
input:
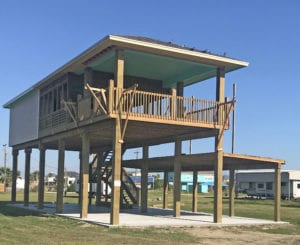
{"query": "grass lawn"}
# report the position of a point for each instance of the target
(18, 226)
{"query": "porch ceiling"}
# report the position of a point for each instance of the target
(167, 69)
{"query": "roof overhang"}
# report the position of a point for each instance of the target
(196, 65)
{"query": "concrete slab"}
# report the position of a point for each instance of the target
(155, 217)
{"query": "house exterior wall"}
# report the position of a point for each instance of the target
(24, 120)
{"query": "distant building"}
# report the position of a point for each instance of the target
(205, 181)
(261, 183)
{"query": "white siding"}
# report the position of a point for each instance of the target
(24, 120)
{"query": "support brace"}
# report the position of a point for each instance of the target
(93, 91)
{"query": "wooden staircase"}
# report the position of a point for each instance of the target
(129, 191)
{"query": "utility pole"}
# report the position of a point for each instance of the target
(5, 156)
(233, 118)
(137, 157)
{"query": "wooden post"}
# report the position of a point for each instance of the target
(116, 175)
(85, 176)
(14, 176)
(27, 176)
(119, 68)
(166, 188)
(41, 177)
(195, 190)
(80, 178)
(180, 103)
(144, 181)
(218, 166)
(90, 184)
(231, 191)
(111, 96)
(117, 144)
(180, 88)
(277, 197)
(99, 186)
(60, 177)
(177, 180)
(173, 103)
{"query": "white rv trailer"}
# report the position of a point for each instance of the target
(261, 183)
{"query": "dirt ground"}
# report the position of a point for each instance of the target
(239, 235)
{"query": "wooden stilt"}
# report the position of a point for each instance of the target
(231, 192)
(27, 176)
(14, 176)
(195, 191)
(85, 176)
(60, 177)
(41, 177)
(166, 188)
(277, 197)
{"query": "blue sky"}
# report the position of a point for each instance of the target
(37, 37)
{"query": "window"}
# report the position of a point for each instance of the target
(260, 186)
(59, 97)
(49, 103)
(283, 184)
(269, 185)
(298, 186)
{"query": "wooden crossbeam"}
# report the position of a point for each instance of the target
(92, 91)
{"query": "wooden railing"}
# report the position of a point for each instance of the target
(55, 119)
(169, 107)
(131, 103)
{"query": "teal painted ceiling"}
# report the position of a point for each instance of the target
(167, 69)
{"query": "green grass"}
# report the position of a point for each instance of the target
(19, 226)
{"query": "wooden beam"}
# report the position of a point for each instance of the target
(277, 196)
(119, 69)
(195, 191)
(231, 191)
(85, 176)
(177, 180)
(166, 189)
(218, 165)
(60, 176)
(27, 175)
(15, 154)
(80, 177)
(111, 87)
(117, 142)
(99, 186)
(220, 85)
(41, 177)
(116, 174)
(144, 181)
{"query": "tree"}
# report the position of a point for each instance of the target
(158, 183)
(8, 175)
(34, 176)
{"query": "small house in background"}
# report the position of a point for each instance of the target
(205, 181)
(261, 183)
